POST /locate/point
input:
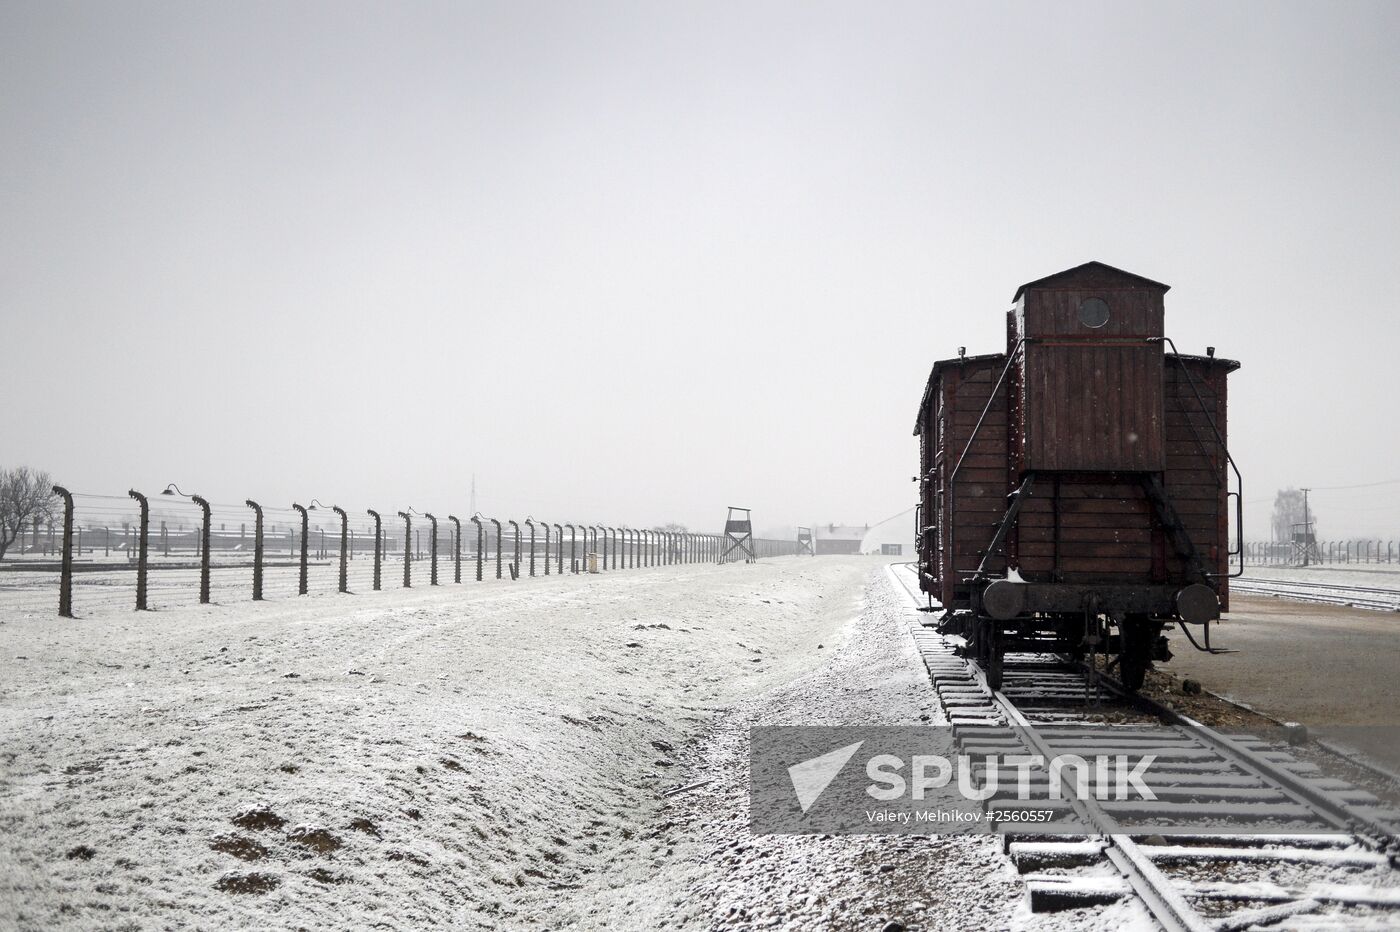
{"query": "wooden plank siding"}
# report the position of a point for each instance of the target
(1092, 406)
(1197, 476)
(977, 497)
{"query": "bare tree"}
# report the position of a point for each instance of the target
(25, 495)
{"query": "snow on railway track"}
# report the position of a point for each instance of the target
(1336, 871)
(1387, 600)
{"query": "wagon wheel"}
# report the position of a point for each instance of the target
(1135, 650)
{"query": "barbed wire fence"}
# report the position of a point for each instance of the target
(107, 552)
(1327, 553)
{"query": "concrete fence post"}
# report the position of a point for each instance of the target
(456, 549)
(142, 542)
(480, 543)
(65, 575)
(530, 523)
(498, 546)
(305, 532)
(407, 550)
(257, 549)
(344, 547)
(432, 550)
(203, 549)
(515, 561)
(557, 545)
(378, 545)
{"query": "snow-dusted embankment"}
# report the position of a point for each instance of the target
(482, 755)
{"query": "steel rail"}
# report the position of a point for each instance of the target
(1157, 891)
(1321, 593)
(1154, 888)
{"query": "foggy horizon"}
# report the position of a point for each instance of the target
(635, 264)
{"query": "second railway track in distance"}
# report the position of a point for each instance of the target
(1337, 871)
(1376, 599)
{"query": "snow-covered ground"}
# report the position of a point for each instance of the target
(490, 755)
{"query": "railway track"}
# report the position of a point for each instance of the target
(1386, 600)
(1334, 868)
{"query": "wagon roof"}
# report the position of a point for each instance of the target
(1092, 269)
(933, 377)
(1230, 364)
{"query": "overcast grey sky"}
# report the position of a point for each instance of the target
(636, 262)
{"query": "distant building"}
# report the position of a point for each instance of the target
(893, 537)
(839, 538)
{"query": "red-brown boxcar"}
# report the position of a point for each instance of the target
(1075, 491)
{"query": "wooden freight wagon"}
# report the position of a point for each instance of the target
(1076, 490)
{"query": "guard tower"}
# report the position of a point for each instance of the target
(804, 542)
(738, 536)
(1305, 545)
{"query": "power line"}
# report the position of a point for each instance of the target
(1363, 485)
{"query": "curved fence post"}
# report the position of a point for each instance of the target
(257, 549)
(344, 547)
(545, 525)
(305, 531)
(65, 576)
(204, 549)
(378, 545)
(433, 550)
(530, 523)
(498, 546)
(141, 562)
(456, 549)
(559, 549)
(407, 550)
(606, 529)
(573, 538)
(515, 561)
(480, 543)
